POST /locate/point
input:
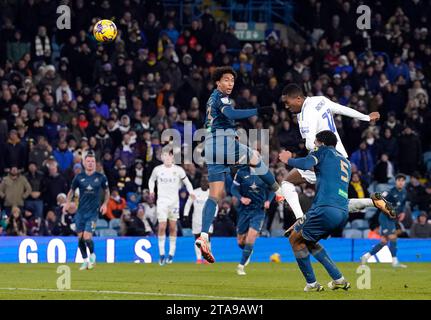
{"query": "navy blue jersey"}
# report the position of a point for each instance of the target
(215, 119)
(252, 187)
(398, 199)
(90, 191)
(333, 175)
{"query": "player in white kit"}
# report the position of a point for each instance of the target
(198, 203)
(315, 114)
(169, 178)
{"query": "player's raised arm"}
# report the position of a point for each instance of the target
(352, 113)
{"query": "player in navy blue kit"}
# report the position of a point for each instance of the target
(90, 184)
(388, 228)
(253, 195)
(222, 149)
(328, 213)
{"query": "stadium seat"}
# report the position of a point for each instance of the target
(365, 233)
(348, 226)
(370, 212)
(277, 233)
(114, 224)
(107, 233)
(382, 187)
(101, 224)
(187, 232)
(352, 234)
(360, 224)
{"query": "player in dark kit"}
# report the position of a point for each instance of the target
(90, 184)
(328, 213)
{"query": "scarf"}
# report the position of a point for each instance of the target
(127, 148)
(139, 176)
(42, 49)
(358, 188)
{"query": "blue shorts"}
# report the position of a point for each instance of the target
(222, 152)
(320, 222)
(85, 223)
(247, 219)
(388, 226)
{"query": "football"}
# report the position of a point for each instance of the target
(275, 257)
(105, 31)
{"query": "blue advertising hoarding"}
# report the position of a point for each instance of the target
(145, 250)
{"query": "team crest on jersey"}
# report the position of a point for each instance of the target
(96, 180)
(254, 186)
(225, 100)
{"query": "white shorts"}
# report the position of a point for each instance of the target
(197, 226)
(308, 175)
(168, 212)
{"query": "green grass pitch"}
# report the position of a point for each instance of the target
(214, 282)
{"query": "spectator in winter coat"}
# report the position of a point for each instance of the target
(421, 228)
(14, 189)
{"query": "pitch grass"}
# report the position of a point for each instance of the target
(218, 281)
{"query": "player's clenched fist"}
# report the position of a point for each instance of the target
(284, 156)
(374, 116)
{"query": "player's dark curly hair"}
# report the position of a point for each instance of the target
(292, 90)
(327, 137)
(219, 72)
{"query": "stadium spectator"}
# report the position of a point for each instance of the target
(14, 189)
(224, 225)
(421, 228)
(363, 159)
(357, 189)
(53, 184)
(116, 205)
(34, 202)
(50, 225)
(138, 225)
(16, 224)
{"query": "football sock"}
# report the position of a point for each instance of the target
(90, 245)
(393, 247)
(246, 252)
(161, 240)
(241, 246)
(198, 253)
(376, 248)
(303, 259)
(356, 205)
(208, 214)
(292, 198)
(172, 245)
(322, 256)
(82, 248)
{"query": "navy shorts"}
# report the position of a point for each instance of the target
(320, 222)
(247, 219)
(85, 223)
(222, 152)
(388, 226)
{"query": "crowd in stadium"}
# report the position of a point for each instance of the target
(62, 93)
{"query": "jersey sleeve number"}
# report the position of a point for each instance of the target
(328, 116)
(344, 166)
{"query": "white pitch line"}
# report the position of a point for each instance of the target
(132, 293)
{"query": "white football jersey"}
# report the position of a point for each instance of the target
(317, 114)
(169, 182)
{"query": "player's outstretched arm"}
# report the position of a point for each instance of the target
(352, 113)
(188, 206)
(235, 114)
(305, 163)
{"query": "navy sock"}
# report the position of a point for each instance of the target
(90, 245)
(304, 263)
(82, 248)
(246, 252)
(322, 256)
(208, 214)
(393, 247)
(241, 246)
(263, 172)
(376, 248)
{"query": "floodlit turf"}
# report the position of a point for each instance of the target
(217, 281)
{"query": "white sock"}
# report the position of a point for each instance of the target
(394, 260)
(356, 205)
(204, 235)
(162, 240)
(198, 253)
(172, 245)
(291, 196)
(86, 259)
(338, 281)
(312, 284)
(209, 244)
(367, 255)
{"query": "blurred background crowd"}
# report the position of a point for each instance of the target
(63, 93)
